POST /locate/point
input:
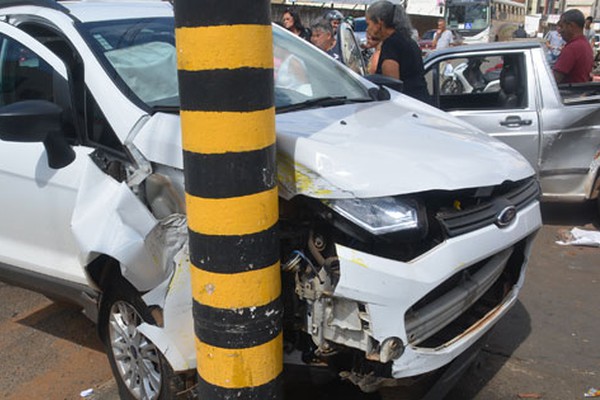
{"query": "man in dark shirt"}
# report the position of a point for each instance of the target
(324, 38)
(576, 60)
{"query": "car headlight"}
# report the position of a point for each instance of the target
(380, 216)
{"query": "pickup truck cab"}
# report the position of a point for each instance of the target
(404, 232)
(512, 96)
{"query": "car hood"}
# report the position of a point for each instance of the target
(366, 150)
(386, 148)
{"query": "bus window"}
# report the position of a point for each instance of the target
(480, 21)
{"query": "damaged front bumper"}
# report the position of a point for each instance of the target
(407, 318)
(418, 316)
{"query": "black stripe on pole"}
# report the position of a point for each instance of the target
(272, 390)
(222, 12)
(244, 252)
(237, 328)
(242, 89)
(230, 174)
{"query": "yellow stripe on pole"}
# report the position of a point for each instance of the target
(241, 290)
(245, 131)
(242, 215)
(223, 47)
(240, 368)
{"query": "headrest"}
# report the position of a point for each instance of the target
(508, 80)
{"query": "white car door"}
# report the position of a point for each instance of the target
(37, 201)
(491, 92)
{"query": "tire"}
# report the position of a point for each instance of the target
(452, 86)
(139, 368)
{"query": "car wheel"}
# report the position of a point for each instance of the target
(452, 86)
(139, 368)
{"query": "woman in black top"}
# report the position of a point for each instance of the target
(400, 55)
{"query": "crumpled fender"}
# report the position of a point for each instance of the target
(110, 219)
(176, 338)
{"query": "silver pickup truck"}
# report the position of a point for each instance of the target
(508, 91)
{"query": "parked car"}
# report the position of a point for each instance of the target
(405, 232)
(556, 127)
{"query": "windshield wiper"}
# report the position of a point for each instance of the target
(325, 101)
(166, 109)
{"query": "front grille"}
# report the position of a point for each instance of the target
(465, 298)
(458, 222)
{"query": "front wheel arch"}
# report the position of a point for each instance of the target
(135, 361)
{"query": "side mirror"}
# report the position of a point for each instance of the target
(32, 121)
(382, 80)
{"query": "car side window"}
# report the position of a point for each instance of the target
(98, 131)
(23, 75)
(481, 83)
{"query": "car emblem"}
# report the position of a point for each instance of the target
(506, 216)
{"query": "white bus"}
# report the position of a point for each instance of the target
(481, 21)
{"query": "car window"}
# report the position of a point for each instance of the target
(140, 56)
(477, 82)
(24, 75)
(97, 130)
(351, 52)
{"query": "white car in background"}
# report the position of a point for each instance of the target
(405, 232)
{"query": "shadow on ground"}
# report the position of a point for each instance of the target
(66, 322)
(571, 214)
(504, 339)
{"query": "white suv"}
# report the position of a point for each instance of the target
(404, 231)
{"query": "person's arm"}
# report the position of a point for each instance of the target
(436, 37)
(390, 68)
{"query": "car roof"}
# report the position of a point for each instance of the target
(100, 10)
(495, 46)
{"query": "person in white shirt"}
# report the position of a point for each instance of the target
(443, 37)
(588, 31)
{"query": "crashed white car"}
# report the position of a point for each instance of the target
(404, 232)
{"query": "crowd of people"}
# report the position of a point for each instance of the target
(389, 33)
(393, 51)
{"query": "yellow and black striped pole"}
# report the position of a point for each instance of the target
(225, 70)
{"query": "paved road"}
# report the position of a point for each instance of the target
(548, 345)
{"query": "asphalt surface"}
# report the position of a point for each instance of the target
(547, 347)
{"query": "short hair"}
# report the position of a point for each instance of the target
(574, 16)
(589, 19)
(323, 25)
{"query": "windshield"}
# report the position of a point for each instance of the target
(140, 55)
(469, 16)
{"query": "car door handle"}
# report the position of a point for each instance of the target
(515, 121)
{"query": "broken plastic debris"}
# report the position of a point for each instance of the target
(592, 392)
(86, 392)
(579, 237)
